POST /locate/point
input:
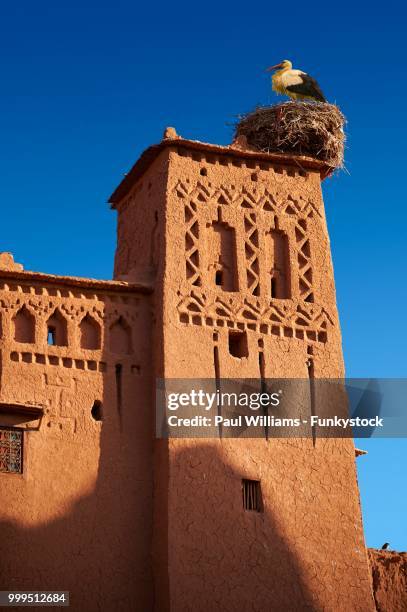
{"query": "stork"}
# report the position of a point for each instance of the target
(295, 84)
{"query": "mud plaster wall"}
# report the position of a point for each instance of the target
(79, 516)
(82, 510)
(307, 548)
(141, 254)
(389, 573)
(139, 226)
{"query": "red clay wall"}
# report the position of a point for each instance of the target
(79, 516)
(139, 254)
(306, 551)
(227, 243)
(389, 573)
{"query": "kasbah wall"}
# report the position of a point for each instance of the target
(222, 269)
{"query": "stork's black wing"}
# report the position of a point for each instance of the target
(308, 87)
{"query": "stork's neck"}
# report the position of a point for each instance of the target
(278, 73)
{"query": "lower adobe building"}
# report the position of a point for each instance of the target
(222, 270)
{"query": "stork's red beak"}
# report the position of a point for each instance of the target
(273, 67)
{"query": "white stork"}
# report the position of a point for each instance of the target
(295, 84)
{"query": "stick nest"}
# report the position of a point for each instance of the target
(315, 129)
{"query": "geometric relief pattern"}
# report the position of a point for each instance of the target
(252, 253)
(304, 261)
(100, 312)
(301, 318)
(299, 207)
(88, 365)
(301, 321)
(259, 200)
(11, 451)
(61, 402)
(191, 244)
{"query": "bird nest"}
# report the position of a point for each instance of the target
(302, 128)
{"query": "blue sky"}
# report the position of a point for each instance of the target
(85, 87)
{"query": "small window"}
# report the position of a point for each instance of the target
(218, 278)
(97, 412)
(273, 288)
(57, 329)
(11, 451)
(238, 344)
(252, 498)
(51, 336)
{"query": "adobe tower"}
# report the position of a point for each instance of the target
(222, 270)
(235, 243)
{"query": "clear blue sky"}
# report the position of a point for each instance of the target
(86, 86)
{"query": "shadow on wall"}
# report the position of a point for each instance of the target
(223, 558)
(96, 550)
(99, 547)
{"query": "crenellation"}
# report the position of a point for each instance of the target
(261, 168)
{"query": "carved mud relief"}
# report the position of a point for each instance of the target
(37, 327)
(295, 318)
(278, 264)
(60, 412)
(290, 320)
(252, 253)
(222, 248)
(304, 261)
(191, 245)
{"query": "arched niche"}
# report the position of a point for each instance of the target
(120, 337)
(24, 326)
(89, 333)
(57, 330)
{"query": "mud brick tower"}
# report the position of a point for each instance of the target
(238, 246)
(222, 270)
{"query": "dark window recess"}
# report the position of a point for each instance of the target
(273, 288)
(97, 412)
(252, 498)
(57, 331)
(11, 451)
(51, 336)
(238, 344)
(218, 278)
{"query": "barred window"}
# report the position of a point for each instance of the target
(11, 451)
(252, 498)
